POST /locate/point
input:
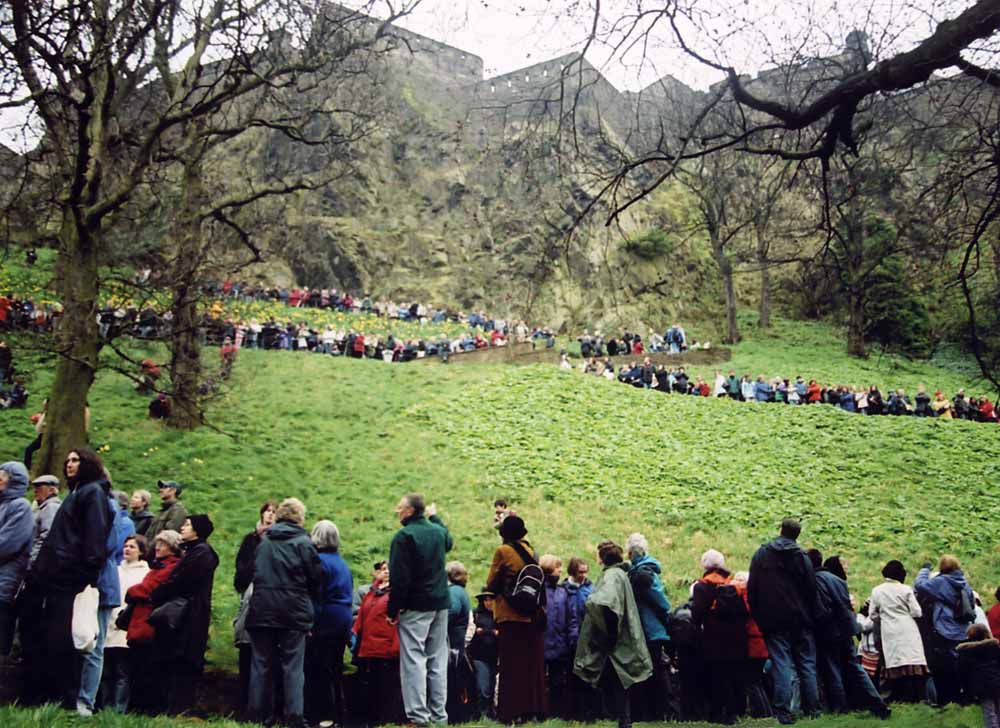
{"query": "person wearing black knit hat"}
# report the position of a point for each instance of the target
(190, 581)
(521, 644)
(895, 605)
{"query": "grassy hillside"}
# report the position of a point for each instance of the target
(582, 458)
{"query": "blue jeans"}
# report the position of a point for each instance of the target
(93, 661)
(844, 676)
(793, 653)
(284, 651)
(486, 678)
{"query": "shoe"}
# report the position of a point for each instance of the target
(883, 713)
(83, 710)
(325, 724)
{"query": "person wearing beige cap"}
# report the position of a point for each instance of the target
(46, 505)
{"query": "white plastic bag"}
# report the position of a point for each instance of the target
(85, 619)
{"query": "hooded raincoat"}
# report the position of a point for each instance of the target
(16, 531)
(612, 607)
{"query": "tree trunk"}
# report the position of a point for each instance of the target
(765, 283)
(856, 324)
(185, 348)
(732, 335)
(77, 341)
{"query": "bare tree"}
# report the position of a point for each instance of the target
(91, 73)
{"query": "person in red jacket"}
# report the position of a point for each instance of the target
(377, 654)
(760, 706)
(993, 616)
(813, 392)
(144, 687)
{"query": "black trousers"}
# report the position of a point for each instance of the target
(8, 620)
(55, 668)
(324, 668)
(616, 697)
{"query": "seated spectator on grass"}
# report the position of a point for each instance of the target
(16, 397)
(160, 407)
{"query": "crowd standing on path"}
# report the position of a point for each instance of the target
(109, 606)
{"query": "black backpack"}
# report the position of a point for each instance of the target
(683, 631)
(729, 605)
(528, 593)
(965, 610)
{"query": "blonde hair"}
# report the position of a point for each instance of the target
(948, 564)
(145, 495)
(291, 509)
(549, 563)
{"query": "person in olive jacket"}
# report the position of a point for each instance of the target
(181, 652)
(286, 581)
(419, 603)
(71, 558)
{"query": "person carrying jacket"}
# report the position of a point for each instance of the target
(945, 591)
(376, 654)
(418, 603)
(286, 584)
(181, 652)
(172, 511)
(70, 559)
(836, 627)
(718, 609)
(561, 633)
(611, 652)
(782, 595)
(16, 530)
(651, 697)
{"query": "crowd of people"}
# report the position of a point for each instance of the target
(863, 400)
(110, 604)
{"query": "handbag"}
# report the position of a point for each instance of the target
(169, 615)
(124, 617)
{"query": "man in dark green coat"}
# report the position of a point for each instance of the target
(172, 512)
(418, 603)
(287, 576)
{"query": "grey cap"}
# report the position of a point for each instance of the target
(46, 480)
(169, 484)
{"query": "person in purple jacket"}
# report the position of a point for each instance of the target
(561, 631)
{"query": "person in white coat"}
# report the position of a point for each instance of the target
(115, 680)
(894, 606)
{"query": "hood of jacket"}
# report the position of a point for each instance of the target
(285, 530)
(17, 484)
(647, 562)
(783, 544)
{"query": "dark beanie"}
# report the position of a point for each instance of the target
(202, 525)
(513, 528)
(895, 570)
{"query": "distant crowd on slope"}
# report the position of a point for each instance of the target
(110, 605)
(868, 401)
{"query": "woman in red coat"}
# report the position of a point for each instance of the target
(760, 706)
(144, 687)
(377, 655)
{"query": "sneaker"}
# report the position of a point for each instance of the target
(325, 724)
(83, 710)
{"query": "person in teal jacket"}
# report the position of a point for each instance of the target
(652, 696)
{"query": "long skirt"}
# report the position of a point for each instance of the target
(522, 672)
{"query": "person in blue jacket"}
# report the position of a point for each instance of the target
(561, 632)
(946, 592)
(762, 391)
(654, 611)
(17, 527)
(331, 632)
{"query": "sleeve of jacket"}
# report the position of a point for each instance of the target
(184, 579)
(496, 578)
(96, 522)
(16, 530)
(753, 585)
(807, 580)
(702, 597)
(923, 585)
(314, 573)
(914, 606)
(572, 624)
(448, 542)
(244, 564)
(177, 518)
(400, 573)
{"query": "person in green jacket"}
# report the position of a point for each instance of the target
(418, 603)
(611, 652)
(172, 512)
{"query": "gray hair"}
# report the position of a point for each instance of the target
(325, 536)
(713, 559)
(122, 497)
(169, 538)
(637, 545)
(291, 509)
